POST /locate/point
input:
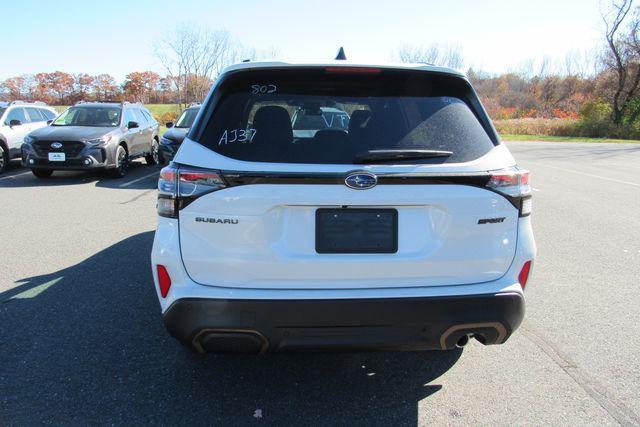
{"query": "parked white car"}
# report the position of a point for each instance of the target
(17, 120)
(409, 229)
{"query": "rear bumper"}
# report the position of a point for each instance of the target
(425, 323)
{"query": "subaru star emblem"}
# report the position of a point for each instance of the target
(360, 180)
(56, 145)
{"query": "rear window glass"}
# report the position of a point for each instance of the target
(323, 116)
(35, 115)
(49, 115)
(187, 118)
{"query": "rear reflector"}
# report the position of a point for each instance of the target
(163, 280)
(524, 274)
(526, 207)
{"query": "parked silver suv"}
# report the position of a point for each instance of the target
(17, 119)
(93, 135)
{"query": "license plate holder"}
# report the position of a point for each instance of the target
(356, 231)
(57, 157)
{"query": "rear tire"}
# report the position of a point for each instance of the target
(154, 157)
(4, 159)
(42, 173)
(122, 163)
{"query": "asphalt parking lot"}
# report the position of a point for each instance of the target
(82, 341)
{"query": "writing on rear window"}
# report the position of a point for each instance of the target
(230, 136)
(306, 115)
(263, 89)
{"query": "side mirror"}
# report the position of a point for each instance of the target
(49, 122)
(169, 125)
(14, 122)
(133, 125)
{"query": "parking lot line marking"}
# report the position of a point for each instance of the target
(596, 391)
(126, 184)
(606, 178)
(35, 291)
(13, 176)
(535, 189)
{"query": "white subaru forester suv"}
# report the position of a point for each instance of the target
(407, 230)
(17, 120)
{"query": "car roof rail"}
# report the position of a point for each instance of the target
(18, 102)
(195, 104)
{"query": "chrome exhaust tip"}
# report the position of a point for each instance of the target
(462, 341)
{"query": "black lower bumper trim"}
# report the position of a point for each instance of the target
(71, 164)
(255, 326)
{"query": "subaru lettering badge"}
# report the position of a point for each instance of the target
(56, 145)
(360, 180)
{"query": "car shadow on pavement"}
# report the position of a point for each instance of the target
(86, 344)
(139, 177)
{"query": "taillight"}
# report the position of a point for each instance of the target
(513, 183)
(179, 186)
(164, 280)
(524, 274)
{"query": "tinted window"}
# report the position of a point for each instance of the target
(49, 115)
(340, 115)
(129, 116)
(16, 114)
(89, 116)
(149, 117)
(186, 118)
(34, 115)
(142, 118)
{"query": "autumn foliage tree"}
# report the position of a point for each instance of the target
(14, 86)
(57, 86)
(105, 88)
(139, 86)
(83, 86)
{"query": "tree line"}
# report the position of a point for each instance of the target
(600, 88)
(61, 88)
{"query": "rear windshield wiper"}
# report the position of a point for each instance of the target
(372, 156)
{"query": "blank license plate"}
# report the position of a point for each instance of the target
(356, 231)
(57, 157)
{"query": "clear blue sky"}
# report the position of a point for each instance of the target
(118, 36)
